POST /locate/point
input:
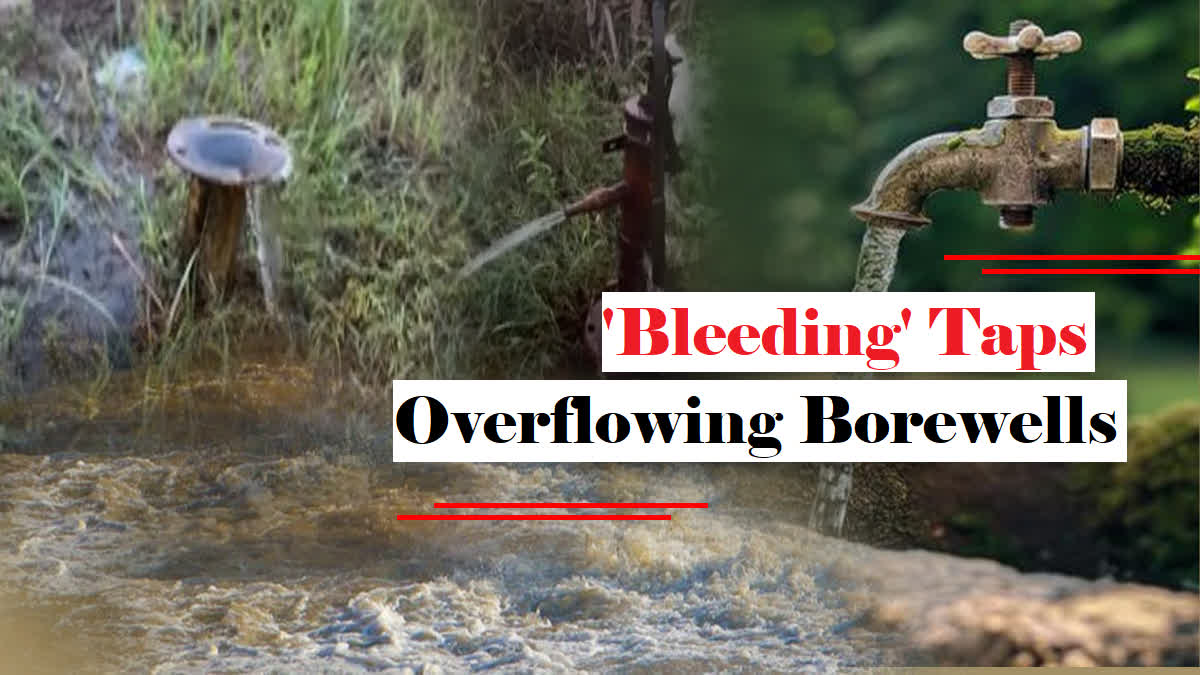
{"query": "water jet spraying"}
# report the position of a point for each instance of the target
(650, 151)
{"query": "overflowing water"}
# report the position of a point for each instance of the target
(512, 240)
(251, 526)
(876, 266)
(268, 248)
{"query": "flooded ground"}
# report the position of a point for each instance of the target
(246, 523)
(251, 525)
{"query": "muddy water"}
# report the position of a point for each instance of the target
(249, 523)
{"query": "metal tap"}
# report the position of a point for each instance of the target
(1017, 160)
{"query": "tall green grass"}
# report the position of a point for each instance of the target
(419, 134)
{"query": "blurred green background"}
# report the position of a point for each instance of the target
(813, 98)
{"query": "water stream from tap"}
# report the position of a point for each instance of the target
(876, 266)
(512, 240)
(877, 258)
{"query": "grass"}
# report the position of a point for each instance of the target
(1161, 376)
(1144, 511)
(420, 130)
(39, 177)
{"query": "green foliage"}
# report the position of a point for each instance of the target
(982, 539)
(421, 130)
(35, 165)
(1193, 103)
(816, 97)
(38, 173)
(1146, 509)
(523, 311)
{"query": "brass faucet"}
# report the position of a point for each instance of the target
(1020, 157)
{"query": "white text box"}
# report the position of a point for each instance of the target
(753, 421)
(848, 332)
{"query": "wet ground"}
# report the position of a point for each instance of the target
(251, 525)
(246, 523)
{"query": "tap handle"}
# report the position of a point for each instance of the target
(1024, 38)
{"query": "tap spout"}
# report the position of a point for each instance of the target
(1014, 165)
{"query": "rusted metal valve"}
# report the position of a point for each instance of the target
(1020, 157)
(1024, 38)
(225, 157)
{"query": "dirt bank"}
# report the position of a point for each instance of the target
(960, 612)
(70, 294)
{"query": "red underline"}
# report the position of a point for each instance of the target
(1163, 256)
(1110, 270)
(571, 505)
(514, 516)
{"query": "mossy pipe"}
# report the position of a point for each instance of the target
(945, 161)
(1161, 162)
(1024, 163)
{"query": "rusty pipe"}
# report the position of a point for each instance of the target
(1012, 164)
(639, 241)
(597, 200)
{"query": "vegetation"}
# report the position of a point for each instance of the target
(424, 129)
(39, 174)
(838, 89)
(421, 131)
(1145, 510)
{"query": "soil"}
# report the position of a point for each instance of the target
(86, 24)
(959, 612)
(1024, 515)
(60, 334)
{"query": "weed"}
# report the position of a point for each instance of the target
(39, 175)
(1144, 511)
(420, 133)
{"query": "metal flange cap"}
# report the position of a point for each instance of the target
(1105, 147)
(229, 150)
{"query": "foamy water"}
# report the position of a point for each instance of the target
(242, 540)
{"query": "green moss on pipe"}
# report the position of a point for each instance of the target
(1161, 163)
